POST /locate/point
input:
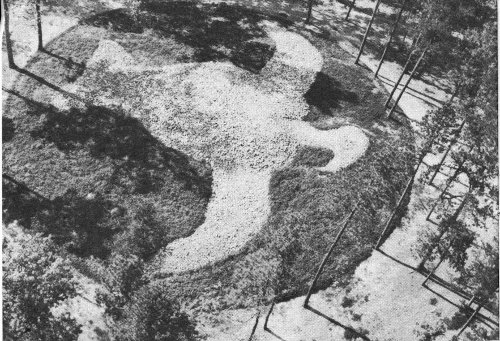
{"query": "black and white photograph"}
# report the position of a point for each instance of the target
(250, 170)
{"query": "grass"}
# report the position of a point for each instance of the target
(313, 157)
(95, 150)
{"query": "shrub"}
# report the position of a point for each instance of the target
(351, 334)
(35, 279)
(459, 318)
(430, 333)
(348, 302)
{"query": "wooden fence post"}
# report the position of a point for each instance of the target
(254, 326)
(327, 255)
(436, 267)
(269, 314)
(469, 320)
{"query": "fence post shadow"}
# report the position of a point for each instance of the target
(337, 323)
(275, 335)
(61, 58)
(398, 261)
(52, 86)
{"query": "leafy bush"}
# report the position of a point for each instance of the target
(351, 334)
(35, 279)
(430, 333)
(459, 318)
(347, 302)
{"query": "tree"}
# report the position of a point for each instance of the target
(39, 24)
(8, 39)
(412, 74)
(396, 84)
(35, 280)
(391, 36)
(477, 156)
(428, 244)
(482, 273)
(309, 10)
(367, 31)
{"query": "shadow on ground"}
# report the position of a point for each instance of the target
(81, 225)
(8, 129)
(327, 93)
(110, 133)
(214, 31)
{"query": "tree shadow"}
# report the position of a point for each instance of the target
(81, 225)
(67, 60)
(8, 129)
(415, 93)
(398, 261)
(140, 159)
(139, 164)
(20, 203)
(274, 334)
(326, 93)
(31, 103)
(215, 31)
